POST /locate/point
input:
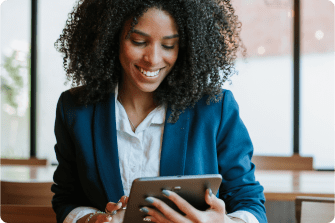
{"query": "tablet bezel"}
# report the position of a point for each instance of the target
(191, 187)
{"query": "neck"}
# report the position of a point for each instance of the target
(136, 101)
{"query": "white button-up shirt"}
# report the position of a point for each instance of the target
(139, 154)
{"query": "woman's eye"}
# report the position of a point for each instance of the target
(168, 47)
(143, 43)
(138, 43)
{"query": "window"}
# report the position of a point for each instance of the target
(317, 82)
(15, 78)
(51, 76)
(264, 86)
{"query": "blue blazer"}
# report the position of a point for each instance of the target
(207, 139)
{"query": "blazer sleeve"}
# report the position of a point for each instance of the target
(239, 189)
(68, 192)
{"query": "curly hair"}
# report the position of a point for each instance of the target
(208, 39)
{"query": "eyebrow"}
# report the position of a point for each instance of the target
(147, 35)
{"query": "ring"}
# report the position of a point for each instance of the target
(114, 212)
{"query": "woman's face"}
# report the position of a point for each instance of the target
(151, 51)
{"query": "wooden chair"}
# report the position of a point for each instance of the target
(314, 209)
(31, 161)
(27, 214)
(26, 193)
(294, 162)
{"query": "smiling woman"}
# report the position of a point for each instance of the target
(149, 70)
(147, 56)
(150, 52)
(208, 42)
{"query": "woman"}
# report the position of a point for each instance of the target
(151, 104)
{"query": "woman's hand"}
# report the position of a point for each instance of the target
(122, 203)
(216, 212)
(117, 210)
(97, 218)
(114, 213)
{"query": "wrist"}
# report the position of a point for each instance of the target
(93, 214)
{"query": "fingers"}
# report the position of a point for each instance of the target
(182, 204)
(168, 214)
(208, 197)
(215, 203)
(150, 219)
(102, 218)
(119, 216)
(111, 206)
(155, 216)
(124, 201)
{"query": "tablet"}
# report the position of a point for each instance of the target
(191, 187)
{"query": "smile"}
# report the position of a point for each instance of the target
(148, 73)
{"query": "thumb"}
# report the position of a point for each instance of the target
(111, 206)
(214, 202)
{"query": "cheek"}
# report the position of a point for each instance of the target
(129, 54)
(173, 57)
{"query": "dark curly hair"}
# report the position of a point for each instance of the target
(208, 39)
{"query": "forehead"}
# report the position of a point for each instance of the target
(154, 22)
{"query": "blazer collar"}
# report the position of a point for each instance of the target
(173, 152)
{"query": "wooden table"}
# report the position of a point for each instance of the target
(29, 174)
(279, 185)
(282, 185)
(27, 185)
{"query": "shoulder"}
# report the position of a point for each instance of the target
(68, 101)
(70, 110)
(224, 98)
(77, 90)
(70, 97)
(208, 109)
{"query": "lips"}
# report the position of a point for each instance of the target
(148, 73)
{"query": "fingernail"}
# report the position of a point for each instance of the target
(146, 219)
(144, 210)
(210, 192)
(149, 200)
(166, 193)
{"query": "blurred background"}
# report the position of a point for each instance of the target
(263, 88)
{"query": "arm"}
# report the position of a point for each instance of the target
(239, 189)
(67, 188)
(70, 201)
(78, 213)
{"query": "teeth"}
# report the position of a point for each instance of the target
(148, 73)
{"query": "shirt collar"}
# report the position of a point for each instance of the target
(157, 115)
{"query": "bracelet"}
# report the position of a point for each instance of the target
(91, 215)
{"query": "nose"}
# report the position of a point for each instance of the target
(153, 55)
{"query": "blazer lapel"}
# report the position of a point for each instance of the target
(106, 150)
(173, 154)
(174, 145)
